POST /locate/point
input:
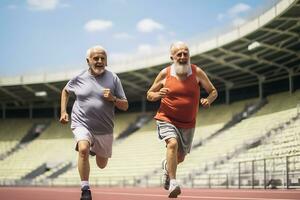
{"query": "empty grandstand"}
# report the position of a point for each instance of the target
(249, 139)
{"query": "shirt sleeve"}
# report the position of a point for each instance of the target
(119, 92)
(70, 87)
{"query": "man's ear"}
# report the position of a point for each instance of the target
(87, 60)
(171, 57)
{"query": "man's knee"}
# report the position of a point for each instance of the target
(83, 148)
(172, 144)
(101, 162)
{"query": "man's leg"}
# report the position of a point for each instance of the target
(83, 160)
(84, 169)
(101, 162)
(172, 148)
(172, 160)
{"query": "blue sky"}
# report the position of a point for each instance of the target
(39, 36)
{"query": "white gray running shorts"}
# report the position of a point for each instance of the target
(184, 136)
(101, 145)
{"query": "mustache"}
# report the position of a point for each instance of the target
(99, 65)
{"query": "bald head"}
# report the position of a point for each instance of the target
(98, 49)
(176, 46)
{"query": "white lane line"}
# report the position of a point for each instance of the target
(188, 197)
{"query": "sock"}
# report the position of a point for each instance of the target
(85, 184)
(173, 182)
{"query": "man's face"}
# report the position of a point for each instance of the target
(181, 56)
(181, 60)
(97, 62)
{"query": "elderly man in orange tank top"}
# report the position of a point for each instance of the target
(178, 88)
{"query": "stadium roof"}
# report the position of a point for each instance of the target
(263, 50)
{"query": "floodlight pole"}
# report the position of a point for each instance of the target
(228, 86)
(55, 111)
(30, 111)
(143, 104)
(291, 84)
(261, 79)
(3, 111)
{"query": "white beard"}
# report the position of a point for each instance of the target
(181, 69)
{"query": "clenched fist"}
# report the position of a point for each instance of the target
(108, 95)
(163, 92)
(204, 102)
(64, 118)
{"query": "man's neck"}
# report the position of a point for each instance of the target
(181, 76)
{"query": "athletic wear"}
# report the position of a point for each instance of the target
(100, 145)
(184, 137)
(180, 106)
(174, 190)
(90, 109)
(86, 194)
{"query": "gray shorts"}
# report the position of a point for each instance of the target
(101, 145)
(184, 136)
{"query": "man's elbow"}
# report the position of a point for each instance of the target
(150, 97)
(216, 93)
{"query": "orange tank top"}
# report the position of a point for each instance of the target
(180, 106)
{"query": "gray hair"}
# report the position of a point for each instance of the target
(94, 48)
(176, 45)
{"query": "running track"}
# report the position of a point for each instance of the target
(39, 193)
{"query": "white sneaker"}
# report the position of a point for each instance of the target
(165, 176)
(174, 190)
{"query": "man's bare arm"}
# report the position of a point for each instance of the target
(208, 86)
(64, 117)
(157, 90)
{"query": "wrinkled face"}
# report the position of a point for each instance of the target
(181, 58)
(97, 62)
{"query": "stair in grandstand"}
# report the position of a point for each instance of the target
(46, 172)
(248, 111)
(140, 121)
(60, 169)
(249, 145)
(34, 132)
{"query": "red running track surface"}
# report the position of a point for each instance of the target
(58, 193)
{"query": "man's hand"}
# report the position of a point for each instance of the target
(204, 102)
(64, 118)
(162, 92)
(108, 95)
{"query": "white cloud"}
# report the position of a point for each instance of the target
(238, 8)
(122, 36)
(234, 13)
(238, 21)
(43, 4)
(97, 25)
(117, 57)
(148, 25)
(144, 49)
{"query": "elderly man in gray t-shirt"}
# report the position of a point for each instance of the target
(97, 91)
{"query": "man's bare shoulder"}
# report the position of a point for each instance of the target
(199, 71)
(162, 74)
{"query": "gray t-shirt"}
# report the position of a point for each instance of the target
(90, 109)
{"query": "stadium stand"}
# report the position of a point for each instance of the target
(262, 150)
